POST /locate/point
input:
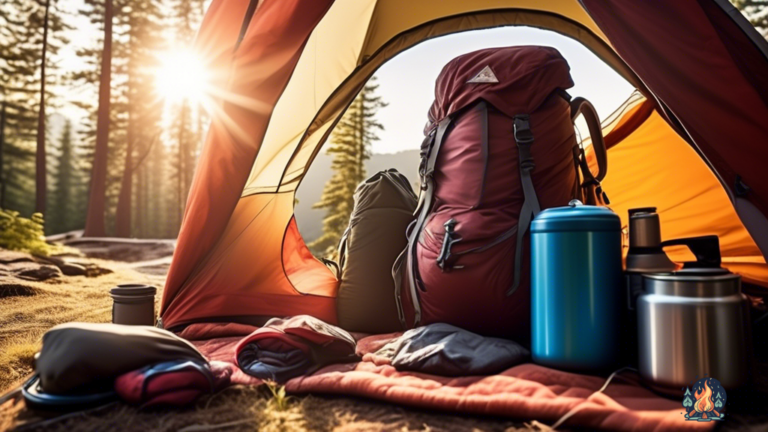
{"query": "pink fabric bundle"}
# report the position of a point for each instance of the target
(175, 383)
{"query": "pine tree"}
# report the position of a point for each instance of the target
(94, 224)
(756, 11)
(143, 109)
(21, 40)
(134, 115)
(62, 211)
(687, 401)
(41, 166)
(350, 147)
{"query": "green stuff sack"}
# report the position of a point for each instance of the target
(384, 206)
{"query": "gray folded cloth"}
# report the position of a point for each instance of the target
(443, 349)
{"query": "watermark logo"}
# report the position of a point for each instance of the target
(704, 401)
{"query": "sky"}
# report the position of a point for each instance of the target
(83, 34)
(407, 82)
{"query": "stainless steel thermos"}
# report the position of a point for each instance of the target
(645, 255)
(576, 288)
(692, 322)
(133, 304)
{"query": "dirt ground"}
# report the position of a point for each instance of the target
(30, 308)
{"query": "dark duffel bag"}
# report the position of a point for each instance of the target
(82, 358)
(384, 206)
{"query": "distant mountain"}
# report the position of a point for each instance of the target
(310, 220)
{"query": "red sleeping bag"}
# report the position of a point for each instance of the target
(500, 147)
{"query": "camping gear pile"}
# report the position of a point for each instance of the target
(499, 150)
(82, 365)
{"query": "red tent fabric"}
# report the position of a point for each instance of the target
(685, 51)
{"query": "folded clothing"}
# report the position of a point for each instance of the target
(82, 357)
(443, 349)
(287, 348)
(174, 383)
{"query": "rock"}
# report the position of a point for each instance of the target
(33, 271)
(10, 287)
(8, 256)
(124, 250)
(92, 270)
(69, 269)
(72, 269)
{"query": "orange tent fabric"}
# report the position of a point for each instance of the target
(653, 166)
(285, 70)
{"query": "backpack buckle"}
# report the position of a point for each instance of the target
(522, 129)
(448, 241)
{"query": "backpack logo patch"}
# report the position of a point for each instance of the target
(486, 75)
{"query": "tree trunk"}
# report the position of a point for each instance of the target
(41, 170)
(94, 223)
(141, 182)
(123, 217)
(2, 149)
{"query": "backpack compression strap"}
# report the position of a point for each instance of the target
(426, 196)
(531, 208)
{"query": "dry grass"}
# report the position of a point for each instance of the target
(248, 409)
(24, 319)
(16, 361)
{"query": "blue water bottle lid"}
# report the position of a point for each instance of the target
(576, 217)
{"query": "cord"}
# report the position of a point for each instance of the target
(578, 407)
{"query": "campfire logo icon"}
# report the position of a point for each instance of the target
(704, 401)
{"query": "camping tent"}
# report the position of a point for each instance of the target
(693, 141)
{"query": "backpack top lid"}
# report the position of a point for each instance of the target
(515, 80)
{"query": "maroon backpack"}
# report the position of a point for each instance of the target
(500, 147)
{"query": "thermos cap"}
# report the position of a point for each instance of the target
(576, 217)
(133, 290)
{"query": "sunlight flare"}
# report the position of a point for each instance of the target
(182, 76)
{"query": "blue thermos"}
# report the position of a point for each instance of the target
(576, 288)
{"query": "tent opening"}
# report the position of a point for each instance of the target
(406, 84)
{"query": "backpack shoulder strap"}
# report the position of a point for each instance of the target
(426, 196)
